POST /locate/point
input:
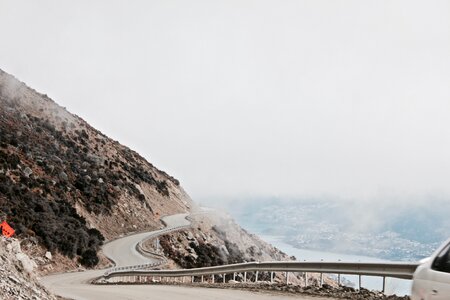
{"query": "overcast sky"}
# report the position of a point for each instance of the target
(348, 99)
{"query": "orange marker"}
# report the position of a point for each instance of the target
(7, 230)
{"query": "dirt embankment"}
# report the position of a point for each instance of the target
(326, 290)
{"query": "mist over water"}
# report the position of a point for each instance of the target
(388, 230)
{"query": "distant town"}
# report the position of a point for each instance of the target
(328, 226)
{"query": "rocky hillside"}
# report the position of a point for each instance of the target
(17, 280)
(68, 186)
(215, 239)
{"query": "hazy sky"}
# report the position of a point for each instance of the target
(252, 98)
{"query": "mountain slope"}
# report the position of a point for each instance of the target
(66, 185)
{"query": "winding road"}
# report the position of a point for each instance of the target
(123, 252)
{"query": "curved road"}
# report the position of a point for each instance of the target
(123, 252)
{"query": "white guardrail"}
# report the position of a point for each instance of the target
(394, 270)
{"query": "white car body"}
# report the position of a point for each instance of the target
(431, 280)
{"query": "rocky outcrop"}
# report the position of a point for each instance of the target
(17, 279)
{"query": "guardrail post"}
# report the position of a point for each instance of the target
(212, 277)
(234, 276)
(224, 278)
(384, 284)
(339, 279)
(306, 279)
(287, 278)
(256, 278)
(202, 278)
(321, 279)
(271, 277)
(245, 277)
(192, 279)
(359, 282)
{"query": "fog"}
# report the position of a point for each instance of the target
(332, 99)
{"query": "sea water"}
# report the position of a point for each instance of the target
(396, 286)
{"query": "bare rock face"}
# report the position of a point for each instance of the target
(14, 282)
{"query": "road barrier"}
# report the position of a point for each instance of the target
(391, 269)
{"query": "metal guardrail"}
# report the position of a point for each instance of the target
(394, 270)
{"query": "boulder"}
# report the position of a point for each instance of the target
(27, 264)
(27, 172)
(48, 255)
(14, 247)
(63, 176)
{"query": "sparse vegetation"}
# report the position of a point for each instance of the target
(202, 254)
